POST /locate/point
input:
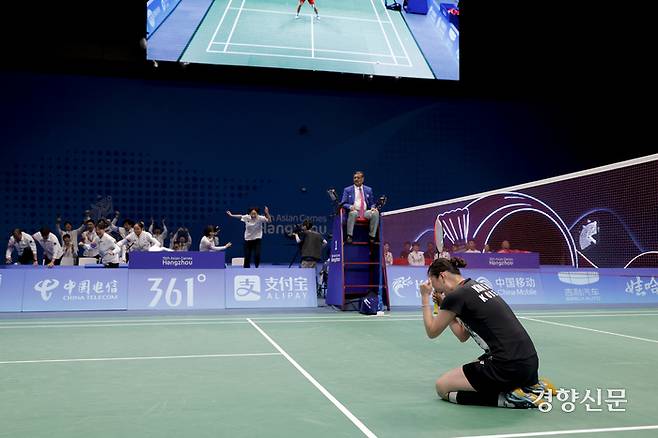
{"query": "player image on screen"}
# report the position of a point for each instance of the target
(310, 2)
(364, 37)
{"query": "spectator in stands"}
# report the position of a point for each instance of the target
(253, 233)
(388, 255)
(24, 246)
(160, 234)
(406, 249)
(470, 248)
(359, 201)
(416, 257)
(52, 250)
(431, 252)
(312, 243)
(505, 248)
(486, 249)
(208, 241)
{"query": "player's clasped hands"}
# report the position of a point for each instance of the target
(426, 288)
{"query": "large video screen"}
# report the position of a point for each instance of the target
(409, 38)
(603, 219)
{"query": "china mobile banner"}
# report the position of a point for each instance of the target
(548, 285)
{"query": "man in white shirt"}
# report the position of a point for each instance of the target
(416, 257)
(87, 237)
(52, 250)
(105, 245)
(24, 246)
(68, 229)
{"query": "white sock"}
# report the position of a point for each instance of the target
(452, 397)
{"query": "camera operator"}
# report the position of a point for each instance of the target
(312, 243)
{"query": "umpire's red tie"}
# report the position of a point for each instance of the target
(362, 207)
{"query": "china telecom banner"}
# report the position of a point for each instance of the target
(271, 287)
(11, 289)
(164, 289)
(74, 288)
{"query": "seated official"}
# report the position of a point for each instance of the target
(312, 243)
(358, 199)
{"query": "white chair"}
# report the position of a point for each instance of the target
(87, 261)
(67, 261)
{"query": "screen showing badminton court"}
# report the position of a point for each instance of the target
(413, 38)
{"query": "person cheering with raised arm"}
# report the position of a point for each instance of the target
(253, 233)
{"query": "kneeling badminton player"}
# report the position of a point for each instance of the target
(506, 374)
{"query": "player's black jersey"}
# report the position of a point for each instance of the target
(488, 315)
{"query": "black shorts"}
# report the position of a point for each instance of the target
(491, 375)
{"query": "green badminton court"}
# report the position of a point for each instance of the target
(351, 36)
(320, 374)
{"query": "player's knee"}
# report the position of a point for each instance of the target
(354, 213)
(441, 388)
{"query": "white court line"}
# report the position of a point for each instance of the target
(233, 52)
(312, 40)
(240, 318)
(381, 26)
(362, 427)
(302, 321)
(275, 319)
(591, 330)
(565, 432)
(311, 15)
(219, 25)
(595, 315)
(307, 49)
(106, 359)
(398, 35)
(230, 35)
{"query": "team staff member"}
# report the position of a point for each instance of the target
(253, 233)
(506, 375)
(106, 245)
(208, 241)
(138, 240)
(24, 246)
(86, 238)
(52, 250)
